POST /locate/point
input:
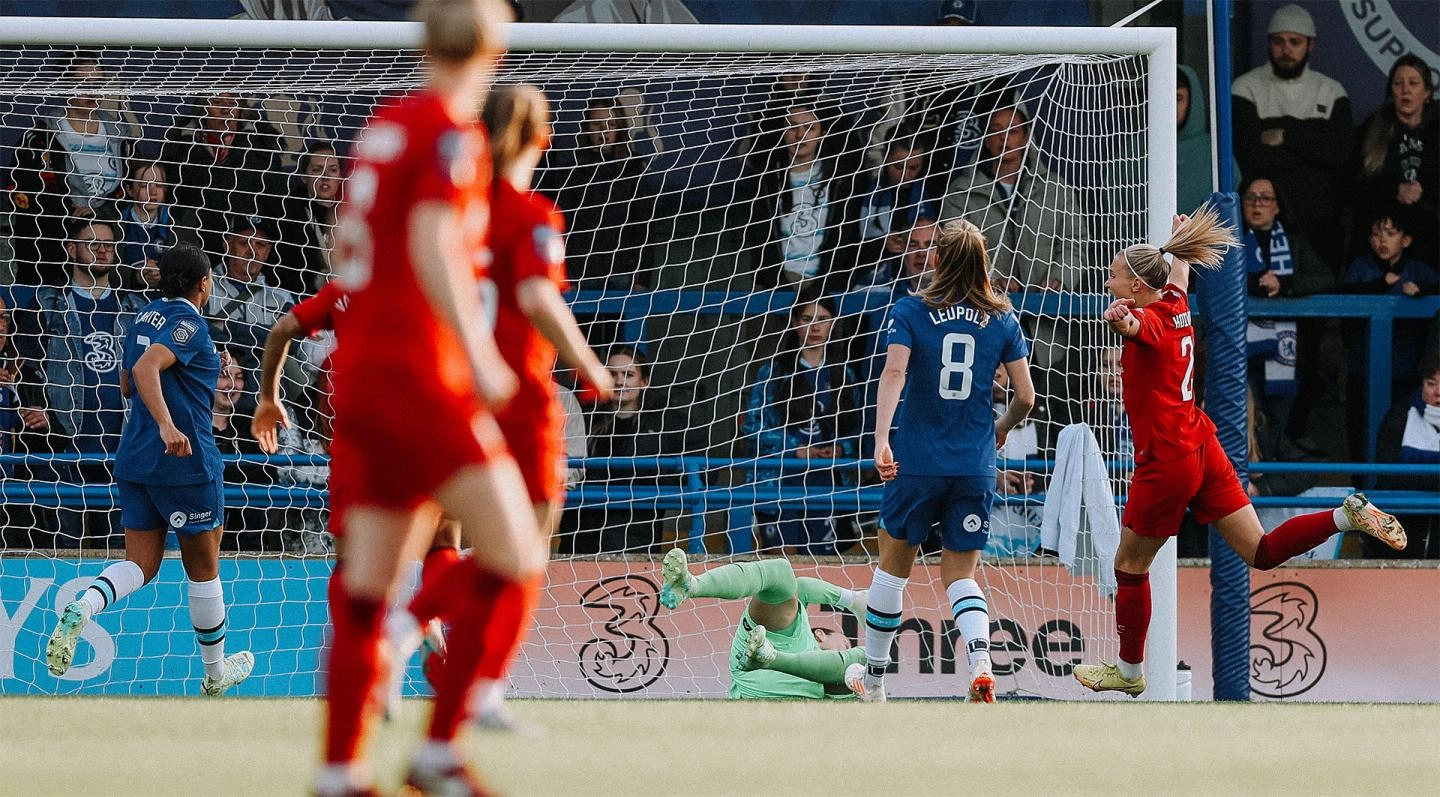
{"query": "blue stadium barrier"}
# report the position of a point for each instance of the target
(692, 491)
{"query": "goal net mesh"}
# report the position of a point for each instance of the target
(710, 199)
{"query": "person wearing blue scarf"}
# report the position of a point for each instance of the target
(1270, 272)
(1410, 434)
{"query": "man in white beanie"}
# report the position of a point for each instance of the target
(1293, 125)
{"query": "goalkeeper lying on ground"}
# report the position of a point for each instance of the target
(775, 654)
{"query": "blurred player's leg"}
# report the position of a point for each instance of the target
(377, 540)
(882, 620)
(493, 592)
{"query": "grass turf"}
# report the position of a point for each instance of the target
(154, 746)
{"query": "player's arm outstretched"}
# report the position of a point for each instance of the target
(270, 414)
(542, 303)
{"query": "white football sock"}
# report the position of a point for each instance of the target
(207, 616)
(113, 583)
(972, 618)
(882, 621)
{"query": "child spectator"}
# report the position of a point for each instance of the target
(806, 404)
(145, 214)
(1388, 269)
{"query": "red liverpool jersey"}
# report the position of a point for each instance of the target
(412, 152)
(1159, 379)
(525, 237)
(323, 310)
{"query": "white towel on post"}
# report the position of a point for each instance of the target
(1081, 482)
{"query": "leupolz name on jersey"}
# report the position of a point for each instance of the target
(956, 311)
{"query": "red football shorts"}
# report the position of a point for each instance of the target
(395, 453)
(1203, 480)
(533, 431)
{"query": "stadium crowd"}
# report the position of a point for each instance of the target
(829, 201)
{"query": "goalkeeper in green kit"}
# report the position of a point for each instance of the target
(776, 654)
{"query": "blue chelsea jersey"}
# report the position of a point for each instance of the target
(946, 420)
(189, 390)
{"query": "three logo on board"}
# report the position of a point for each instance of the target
(1287, 655)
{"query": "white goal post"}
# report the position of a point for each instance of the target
(698, 106)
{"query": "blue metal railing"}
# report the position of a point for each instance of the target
(697, 486)
(634, 310)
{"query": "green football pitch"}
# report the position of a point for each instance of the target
(151, 746)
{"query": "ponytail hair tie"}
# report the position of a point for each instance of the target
(1161, 249)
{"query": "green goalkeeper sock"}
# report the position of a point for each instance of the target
(813, 591)
(821, 666)
(768, 581)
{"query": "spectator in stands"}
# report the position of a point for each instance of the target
(1410, 434)
(70, 163)
(795, 221)
(13, 526)
(1278, 261)
(144, 275)
(1194, 158)
(633, 426)
(144, 215)
(70, 339)
(1399, 155)
(1104, 407)
(1294, 124)
(225, 165)
(10, 422)
(244, 305)
(608, 207)
(944, 121)
(1015, 528)
(1030, 218)
(909, 252)
(308, 223)
(1388, 269)
(806, 403)
(897, 188)
(244, 526)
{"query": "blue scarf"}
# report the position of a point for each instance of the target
(1421, 440)
(1274, 341)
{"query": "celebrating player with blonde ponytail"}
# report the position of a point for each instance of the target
(1179, 464)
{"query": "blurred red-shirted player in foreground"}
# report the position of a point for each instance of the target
(1178, 462)
(410, 249)
(532, 321)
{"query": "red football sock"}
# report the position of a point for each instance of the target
(1295, 536)
(435, 585)
(509, 621)
(354, 671)
(486, 628)
(1132, 614)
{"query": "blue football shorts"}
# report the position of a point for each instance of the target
(912, 505)
(183, 509)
